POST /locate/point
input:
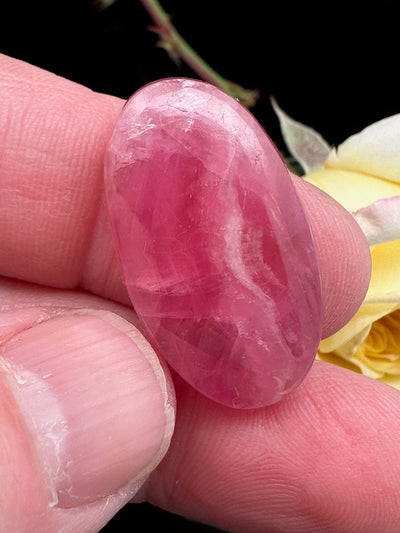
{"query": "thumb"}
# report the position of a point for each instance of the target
(86, 415)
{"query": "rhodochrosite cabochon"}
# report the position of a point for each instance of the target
(214, 246)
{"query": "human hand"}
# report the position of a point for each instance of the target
(87, 411)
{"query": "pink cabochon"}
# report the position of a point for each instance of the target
(215, 248)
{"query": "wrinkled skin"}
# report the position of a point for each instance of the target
(323, 459)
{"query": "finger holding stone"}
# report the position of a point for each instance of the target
(87, 413)
(54, 227)
(323, 459)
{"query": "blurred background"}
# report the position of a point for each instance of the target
(332, 66)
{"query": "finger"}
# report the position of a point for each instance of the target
(53, 222)
(54, 227)
(86, 412)
(323, 459)
(343, 254)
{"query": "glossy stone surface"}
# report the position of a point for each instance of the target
(214, 246)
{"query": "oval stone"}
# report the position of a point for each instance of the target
(214, 245)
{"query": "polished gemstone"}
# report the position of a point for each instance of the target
(214, 245)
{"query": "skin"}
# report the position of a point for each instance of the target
(324, 459)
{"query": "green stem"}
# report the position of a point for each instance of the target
(178, 48)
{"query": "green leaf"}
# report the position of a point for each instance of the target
(306, 145)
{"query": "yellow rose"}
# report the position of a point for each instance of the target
(363, 174)
(365, 170)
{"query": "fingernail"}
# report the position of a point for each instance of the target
(96, 401)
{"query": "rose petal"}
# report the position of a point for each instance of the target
(375, 369)
(374, 351)
(334, 359)
(393, 381)
(360, 321)
(380, 221)
(385, 279)
(349, 348)
(351, 189)
(387, 298)
(306, 145)
(364, 365)
(375, 150)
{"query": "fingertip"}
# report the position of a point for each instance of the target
(92, 413)
(343, 254)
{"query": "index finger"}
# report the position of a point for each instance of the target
(53, 222)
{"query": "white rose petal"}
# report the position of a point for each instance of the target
(374, 151)
(380, 221)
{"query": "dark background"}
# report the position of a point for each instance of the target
(331, 65)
